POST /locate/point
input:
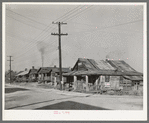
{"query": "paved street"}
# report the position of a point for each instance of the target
(22, 97)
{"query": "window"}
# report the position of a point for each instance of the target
(107, 78)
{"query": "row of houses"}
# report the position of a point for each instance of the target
(90, 74)
(43, 74)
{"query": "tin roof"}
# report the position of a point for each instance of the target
(98, 67)
(121, 65)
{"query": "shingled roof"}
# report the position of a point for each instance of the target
(97, 67)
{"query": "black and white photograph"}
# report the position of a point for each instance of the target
(74, 61)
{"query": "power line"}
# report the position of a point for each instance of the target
(65, 16)
(77, 14)
(68, 13)
(24, 23)
(28, 51)
(26, 17)
(22, 62)
(23, 38)
(111, 26)
(56, 19)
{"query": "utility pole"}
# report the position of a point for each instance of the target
(10, 66)
(60, 61)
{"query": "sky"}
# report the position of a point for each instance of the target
(94, 32)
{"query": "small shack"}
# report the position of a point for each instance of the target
(33, 76)
(90, 74)
(23, 76)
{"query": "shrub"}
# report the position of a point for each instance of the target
(110, 92)
(136, 92)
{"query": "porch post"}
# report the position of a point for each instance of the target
(51, 77)
(137, 85)
(45, 78)
(75, 82)
(42, 76)
(101, 85)
(55, 83)
(62, 82)
(87, 88)
(97, 83)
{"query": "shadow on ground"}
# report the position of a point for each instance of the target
(68, 105)
(11, 90)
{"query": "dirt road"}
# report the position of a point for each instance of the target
(31, 98)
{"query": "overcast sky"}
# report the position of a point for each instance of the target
(94, 31)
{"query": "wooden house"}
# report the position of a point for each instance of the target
(92, 74)
(23, 76)
(33, 76)
(48, 74)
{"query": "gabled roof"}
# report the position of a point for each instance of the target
(19, 72)
(101, 64)
(91, 64)
(32, 71)
(23, 73)
(85, 66)
(123, 66)
(44, 69)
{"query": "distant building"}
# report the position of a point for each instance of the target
(48, 73)
(23, 76)
(33, 75)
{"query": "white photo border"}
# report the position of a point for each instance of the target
(76, 115)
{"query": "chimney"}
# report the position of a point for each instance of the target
(25, 69)
(54, 66)
(33, 67)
